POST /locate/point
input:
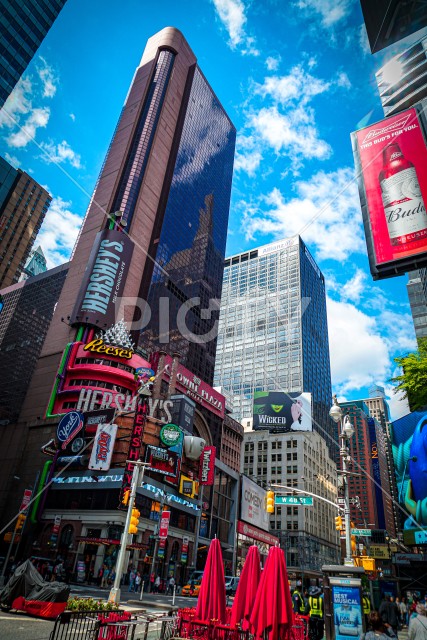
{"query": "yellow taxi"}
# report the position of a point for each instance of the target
(187, 589)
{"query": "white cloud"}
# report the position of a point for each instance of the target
(248, 162)
(353, 288)
(58, 232)
(359, 354)
(325, 211)
(400, 331)
(343, 80)
(73, 117)
(17, 104)
(13, 160)
(38, 118)
(59, 153)
(272, 62)
(294, 134)
(399, 406)
(232, 15)
(298, 86)
(48, 78)
(331, 11)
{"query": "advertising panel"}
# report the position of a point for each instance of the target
(281, 411)
(207, 466)
(103, 280)
(164, 524)
(252, 504)
(103, 446)
(376, 472)
(347, 612)
(391, 162)
(164, 461)
(134, 448)
(256, 534)
(410, 463)
(68, 427)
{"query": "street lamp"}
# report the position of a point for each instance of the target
(346, 433)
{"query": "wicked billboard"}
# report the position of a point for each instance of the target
(281, 411)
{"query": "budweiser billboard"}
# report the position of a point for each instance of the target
(391, 162)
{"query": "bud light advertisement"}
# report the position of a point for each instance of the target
(347, 612)
(391, 164)
(279, 411)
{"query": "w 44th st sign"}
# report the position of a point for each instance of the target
(306, 501)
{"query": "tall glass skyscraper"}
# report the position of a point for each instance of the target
(24, 25)
(273, 332)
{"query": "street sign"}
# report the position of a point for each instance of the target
(306, 501)
(361, 532)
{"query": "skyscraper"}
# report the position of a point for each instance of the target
(417, 294)
(23, 206)
(36, 264)
(273, 332)
(25, 24)
(168, 171)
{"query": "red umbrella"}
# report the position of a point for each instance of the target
(272, 610)
(211, 601)
(246, 590)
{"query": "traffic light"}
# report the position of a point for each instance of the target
(338, 523)
(353, 541)
(134, 521)
(20, 522)
(270, 502)
(126, 496)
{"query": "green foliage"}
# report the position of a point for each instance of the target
(90, 604)
(413, 379)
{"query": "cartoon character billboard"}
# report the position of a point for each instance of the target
(282, 411)
(409, 441)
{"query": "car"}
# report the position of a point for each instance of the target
(231, 583)
(186, 591)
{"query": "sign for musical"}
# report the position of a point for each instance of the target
(103, 446)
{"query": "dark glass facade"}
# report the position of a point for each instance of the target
(187, 276)
(24, 320)
(24, 24)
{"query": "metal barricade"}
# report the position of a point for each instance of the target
(93, 625)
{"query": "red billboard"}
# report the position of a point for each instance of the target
(207, 466)
(391, 160)
(164, 524)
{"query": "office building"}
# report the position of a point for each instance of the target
(273, 333)
(300, 460)
(416, 287)
(36, 264)
(168, 172)
(25, 24)
(25, 314)
(23, 206)
(388, 21)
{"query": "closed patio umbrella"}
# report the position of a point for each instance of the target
(246, 590)
(272, 610)
(211, 601)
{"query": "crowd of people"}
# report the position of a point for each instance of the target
(149, 583)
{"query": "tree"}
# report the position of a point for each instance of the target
(413, 379)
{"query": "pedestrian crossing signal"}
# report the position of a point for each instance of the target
(134, 521)
(270, 502)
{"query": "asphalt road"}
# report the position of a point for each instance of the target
(17, 626)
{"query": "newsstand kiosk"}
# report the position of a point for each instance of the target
(342, 602)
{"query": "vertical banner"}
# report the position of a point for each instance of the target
(103, 446)
(164, 524)
(55, 531)
(207, 466)
(26, 499)
(347, 612)
(134, 447)
(184, 550)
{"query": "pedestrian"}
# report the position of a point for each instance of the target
(138, 581)
(298, 602)
(105, 574)
(157, 584)
(377, 628)
(132, 576)
(417, 629)
(152, 578)
(171, 584)
(403, 612)
(100, 574)
(389, 613)
(366, 603)
(315, 603)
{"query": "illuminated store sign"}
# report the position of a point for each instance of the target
(98, 346)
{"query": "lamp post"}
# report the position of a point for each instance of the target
(346, 433)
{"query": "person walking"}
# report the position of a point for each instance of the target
(157, 584)
(132, 576)
(105, 574)
(417, 629)
(377, 628)
(171, 584)
(389, 613)
(403, 612)
(138, 581)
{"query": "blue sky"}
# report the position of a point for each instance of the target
(296, 77)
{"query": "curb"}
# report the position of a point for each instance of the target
(155, 605)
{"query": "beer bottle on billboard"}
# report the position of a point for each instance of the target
(403, 203)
